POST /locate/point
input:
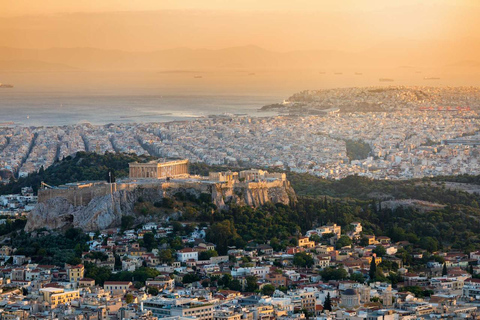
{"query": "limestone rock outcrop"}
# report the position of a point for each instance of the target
(253, 194)
(106, 211)
(100, 213)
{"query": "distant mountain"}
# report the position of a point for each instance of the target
(390, 54)
(33, 66)
(248, 57)
(464, 64)
(434, 53)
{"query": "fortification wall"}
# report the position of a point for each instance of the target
(83, 196)
(101, 205)
(243, 193)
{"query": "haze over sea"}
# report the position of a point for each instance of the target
(64, 98)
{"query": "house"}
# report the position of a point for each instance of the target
(475, 255)
(18, 260)
(306, 243)
(391, 250)
(265, 249)
(329, 228)
(370, 239)
(86, 282)
(276, 279)
(321, 261)
(208, 245)
(6, 251)
(187, 254)
(471, 288)
(383, 240)
(55, 296)
(75, 273)
(357, 228)
(117, 287)
(162, 282)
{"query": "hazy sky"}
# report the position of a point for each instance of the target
(58, 6)
(280, 25)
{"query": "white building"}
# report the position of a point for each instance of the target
(187, 254)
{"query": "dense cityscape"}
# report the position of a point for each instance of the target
(177, 255)
(411, 138)
(240, 160)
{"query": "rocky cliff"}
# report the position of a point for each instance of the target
(254, 194)
(100, 213)
(106, 211)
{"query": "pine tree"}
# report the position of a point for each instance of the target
(373, 269)
(327, 304)
(470, 269)
(444, 271)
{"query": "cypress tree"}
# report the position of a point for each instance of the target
(327, 304)
(444, 271)
(373, 269)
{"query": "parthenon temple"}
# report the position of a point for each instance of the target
(158, 169)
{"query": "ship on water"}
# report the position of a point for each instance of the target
(431, 78)
(385, 80)
(4, 85)
(198, 77)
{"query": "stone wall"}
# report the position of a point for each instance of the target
(101, 205)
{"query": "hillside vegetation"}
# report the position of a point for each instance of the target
(82, 166)
(455, 223)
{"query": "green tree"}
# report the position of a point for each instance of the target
(222, 234)
(153, 291)
(327, 304)
(118, 262)
(303, 259)
(429, 243)
(251, 283)
(127, 222)
(73, 233)
(128, 298)
(373, 269)
(268, 289)
(315, 237)
(99, 274)
(165, 256)
(190, 277)
(343, 242)
(235, 285)
(358, 277)
(149, 241)
(168, 203)
(444, 270)
(380, 251)
(331, 273)
(206, 255)
(226, 280)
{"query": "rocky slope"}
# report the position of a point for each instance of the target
(254, 195)
(104, 212)
(100, 213)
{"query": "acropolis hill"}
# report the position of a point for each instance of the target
(99, 205)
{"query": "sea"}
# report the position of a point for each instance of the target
(69, 108)
(69, 98)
